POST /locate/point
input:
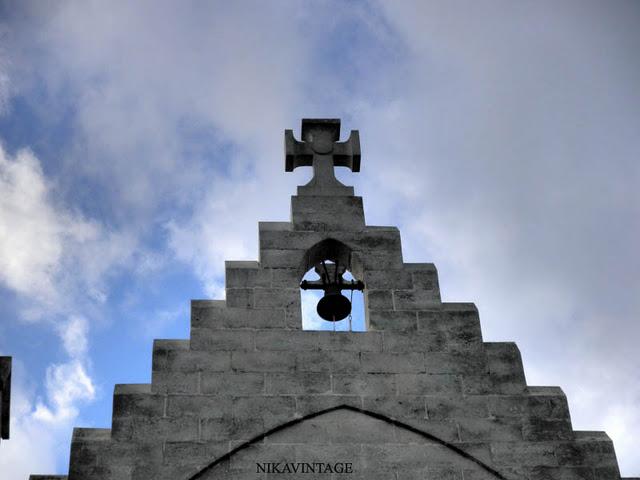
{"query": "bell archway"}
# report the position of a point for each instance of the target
(331, 295)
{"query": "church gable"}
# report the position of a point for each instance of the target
(417, 395)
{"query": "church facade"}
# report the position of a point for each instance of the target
(418, 395)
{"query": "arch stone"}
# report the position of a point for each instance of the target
(347, 440)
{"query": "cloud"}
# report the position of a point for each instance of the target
(40, 428)
(33, 445)
(32, 230)
(48, 251)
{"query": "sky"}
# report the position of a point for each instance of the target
(141, 142)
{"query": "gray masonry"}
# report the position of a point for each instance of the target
(419, 395)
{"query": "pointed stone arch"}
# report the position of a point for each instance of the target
(334, 250)
(457, 456)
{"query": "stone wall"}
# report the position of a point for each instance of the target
(419, 395)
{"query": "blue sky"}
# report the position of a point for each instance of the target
(142, 142)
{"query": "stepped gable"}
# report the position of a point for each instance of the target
(419, 395)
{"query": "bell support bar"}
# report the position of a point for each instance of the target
(351, 285)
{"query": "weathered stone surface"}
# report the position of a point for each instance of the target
(327, 213)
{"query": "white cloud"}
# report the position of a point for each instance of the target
(32, 230)
(41, 430)
(68, 384)
(47, 250)
(33, 445)
(74, 336)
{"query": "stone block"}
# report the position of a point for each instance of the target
(277, 298)
(492, 429)
(242, 274)
(144, 404)
(192, 361)
(380, 260)
(174, 382)
(128, 453)
(320, 453)
(524, 454)
(589, 449)
(392, 321)
(443, 473)
(285, 239)
(145, 429)
(285, 278)
(378, 300)
(472, 363)
(285, 258)
(609, 473)
(427, 384)
(444, 430)
(270, 410)
(240, 297)
(408, 456)
(193, 453)
(415, 299)
(369, 384)
(297, 383)
(232, 383)
(375, 239)
(328, 213)
(103, 472)
(424, 276)
(307, 404)
(505, 366)
(208, 313)
(222, 340)
(458, 322)
(229, 428)
(552, 473)
(401, 407)
(293, 318)
(267, 361)
(537, 428)
(392, 362)
(488, 384)
(440, 407)
(155, 471)
(538, 402)
(298, 340)
(327, 361)
(201, 406)
(423, 341)
(217, 317)
(385, 279)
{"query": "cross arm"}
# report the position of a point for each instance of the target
(297, 154)
(347, 154)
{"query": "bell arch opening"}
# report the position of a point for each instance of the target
(331, 294)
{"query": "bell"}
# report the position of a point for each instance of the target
(333, 306)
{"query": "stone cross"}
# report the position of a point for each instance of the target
(321, 149)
